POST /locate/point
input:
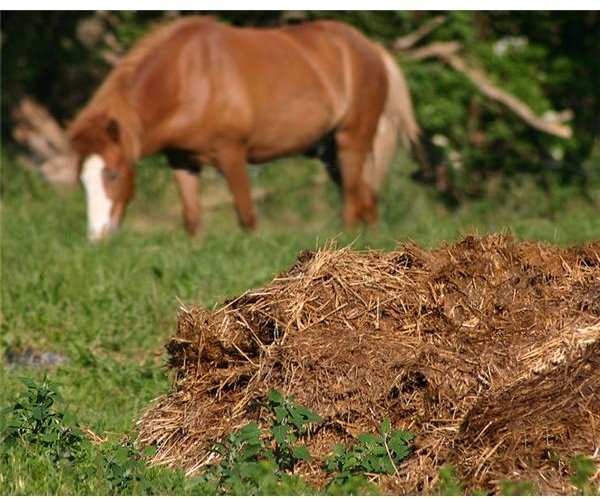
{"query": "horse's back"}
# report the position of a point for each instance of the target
(298, 83)
(361, 61)
(278, 90)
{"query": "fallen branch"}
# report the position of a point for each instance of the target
(447, 52)
(46, 141)
(440, 50)
(99, 29)
(408, 41)
(112, 56)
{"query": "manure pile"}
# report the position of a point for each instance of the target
(487, 349)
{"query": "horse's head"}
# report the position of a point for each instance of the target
(105, 171)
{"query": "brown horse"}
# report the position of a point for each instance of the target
(204, 92)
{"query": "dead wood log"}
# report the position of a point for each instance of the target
(46, 142)
(410, 40)
(447, 53)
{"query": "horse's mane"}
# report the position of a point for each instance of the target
(111, 100)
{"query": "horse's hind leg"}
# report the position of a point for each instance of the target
(231, 161)
(360, 201)
(368, 195)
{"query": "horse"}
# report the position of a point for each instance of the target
(206, 93)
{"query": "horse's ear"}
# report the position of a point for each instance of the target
(81, 141)
(113, 130)
(91, 133)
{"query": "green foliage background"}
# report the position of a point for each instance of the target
(549, 60)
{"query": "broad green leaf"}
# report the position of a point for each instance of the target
(339, 449)
(297, 419)
(69, 419)
(250, 451)
(28, 382)
(120, 455)
(302, 453)
(368, 438)
(350, 462)
(37, 413)
(386, 426)
(280, 414)
(249, 431)
(404, 435)
(50, 437)
(275, 396)
(308, 415)
(279, 433)
(149, 451)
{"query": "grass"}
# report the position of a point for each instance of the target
(110, 307)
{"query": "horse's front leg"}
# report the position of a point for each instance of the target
(231, 161)
(188, 183)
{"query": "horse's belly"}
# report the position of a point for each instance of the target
(278, 145)
(289, 131)
(268, 153)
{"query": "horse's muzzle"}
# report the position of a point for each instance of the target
(104, 233)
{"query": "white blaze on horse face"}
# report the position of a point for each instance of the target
(99, 206)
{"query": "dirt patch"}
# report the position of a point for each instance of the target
(33, 359)
(488, 350)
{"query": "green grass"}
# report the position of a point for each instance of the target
(110, 307)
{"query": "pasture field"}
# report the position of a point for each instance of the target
(106, 310)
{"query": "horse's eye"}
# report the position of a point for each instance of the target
(111, 175)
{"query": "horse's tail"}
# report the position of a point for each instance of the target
(396, 121)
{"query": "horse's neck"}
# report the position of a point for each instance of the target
(130, 129)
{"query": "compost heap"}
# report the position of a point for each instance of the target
(488, 350)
